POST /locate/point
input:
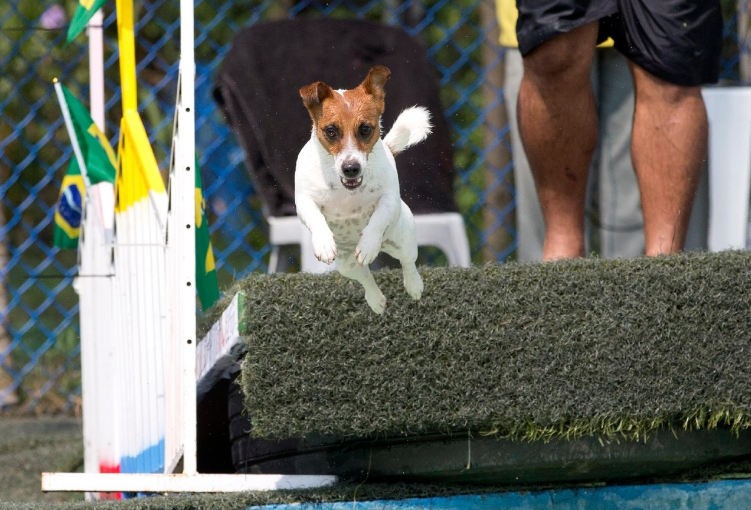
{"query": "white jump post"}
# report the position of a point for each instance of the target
(181, 401)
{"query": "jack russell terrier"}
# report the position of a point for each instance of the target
(347, 186)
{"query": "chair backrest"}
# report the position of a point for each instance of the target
(257, 89)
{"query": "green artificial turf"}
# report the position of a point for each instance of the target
(530, 351)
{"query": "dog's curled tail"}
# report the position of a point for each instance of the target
(412, 126)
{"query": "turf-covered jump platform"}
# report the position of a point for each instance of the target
(517, 373)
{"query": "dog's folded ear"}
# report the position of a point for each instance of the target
(375, 81)
(312, 97)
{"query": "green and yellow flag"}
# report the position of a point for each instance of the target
(69, 208)
(206, 282)
(94, 162)
(84, 12)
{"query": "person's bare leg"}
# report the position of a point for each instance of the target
(668, 147)
(558, 126)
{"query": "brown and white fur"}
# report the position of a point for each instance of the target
(346, 183)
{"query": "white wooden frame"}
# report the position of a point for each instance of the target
(181, 376)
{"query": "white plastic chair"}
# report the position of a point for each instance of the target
(729, 112)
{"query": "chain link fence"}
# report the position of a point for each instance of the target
(39, 348)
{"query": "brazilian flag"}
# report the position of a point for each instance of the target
(69, 210)
(98, 162)
(206, 282)
(84, 12)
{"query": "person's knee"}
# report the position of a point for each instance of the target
(651, 88)
(679, 94)
(564, 59)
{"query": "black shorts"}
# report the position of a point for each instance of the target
(679, 41)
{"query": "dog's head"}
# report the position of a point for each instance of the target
(348, 122)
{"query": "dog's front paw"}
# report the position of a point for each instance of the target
(324, 246)
(367, 249)
(376, 300)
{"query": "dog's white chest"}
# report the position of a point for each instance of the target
(347, 232)
(347, 214)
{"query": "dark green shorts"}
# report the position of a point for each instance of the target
(679, 41)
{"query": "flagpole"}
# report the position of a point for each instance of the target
(127, 45)
(96, 69)
(96, 296)
(95, 32)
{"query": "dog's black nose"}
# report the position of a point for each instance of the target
(351, 169)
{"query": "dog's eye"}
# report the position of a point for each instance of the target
(331, 132)
(365, 130)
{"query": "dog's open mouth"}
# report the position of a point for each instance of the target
(351, 183)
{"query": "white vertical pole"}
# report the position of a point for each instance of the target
(184, 174)
(97, 293)
(96, 69)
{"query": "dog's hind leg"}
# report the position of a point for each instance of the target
(349, 268)
(412, 280)
(407, 257)
(401, 243)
